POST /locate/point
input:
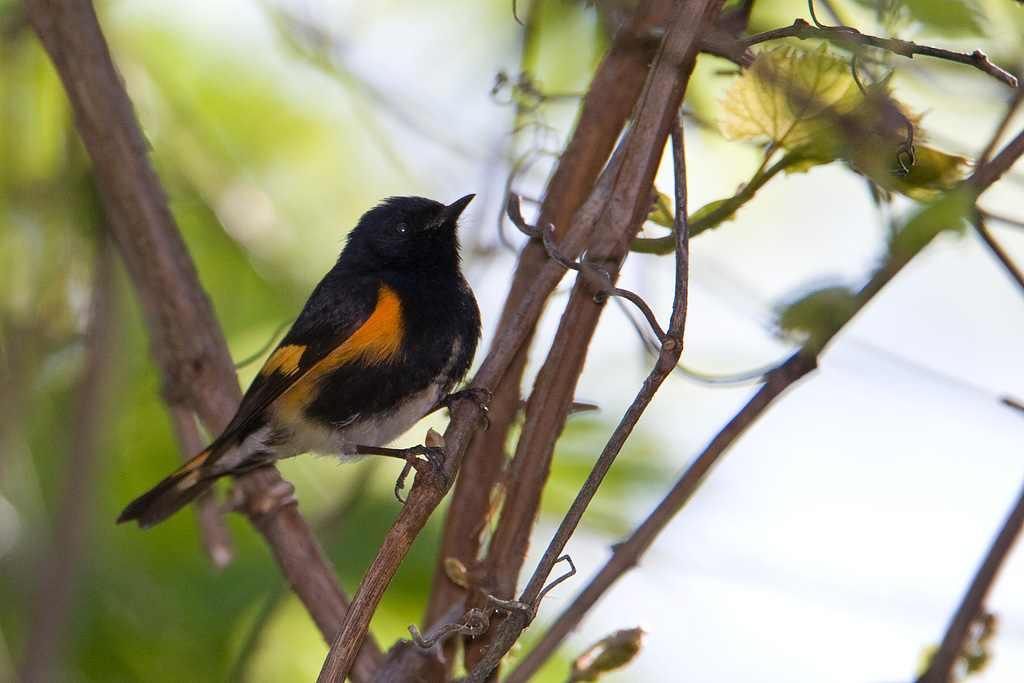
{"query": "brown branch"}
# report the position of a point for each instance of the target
(990, 148)
(997, 250)
(622, 214)
(985, 175)
(59, 569)
(610, 100)
(941, 666)
(672, 346)
(184, 337)
(851, 39)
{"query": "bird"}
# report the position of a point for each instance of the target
(383, 340)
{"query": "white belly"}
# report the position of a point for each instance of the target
(371, 431)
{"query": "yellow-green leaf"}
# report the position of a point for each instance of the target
(948, 213)
(788, 96)
(810, 104)
(932, 173)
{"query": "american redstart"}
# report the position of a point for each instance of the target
(382, 341)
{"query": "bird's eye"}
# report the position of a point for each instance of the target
(402, 228)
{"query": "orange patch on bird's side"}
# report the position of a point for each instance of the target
(378, 338)
(284, 360)
(376, 341)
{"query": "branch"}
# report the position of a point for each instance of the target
(616, 85)
(671, 348)
(598, 277)
(986, 175)
(851, 39)
(997, 250)
(184, 337)
(718, 215)
(623, 212)
(941, 666)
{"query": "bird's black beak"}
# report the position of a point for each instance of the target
(452, 212)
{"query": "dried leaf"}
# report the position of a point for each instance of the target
(456, 572)
(611, 652)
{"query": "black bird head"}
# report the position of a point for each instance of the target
(406, 232)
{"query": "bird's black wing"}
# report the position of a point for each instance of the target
(337, 324)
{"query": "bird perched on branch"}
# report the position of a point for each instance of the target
(382, 341)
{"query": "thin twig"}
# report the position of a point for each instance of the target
(670, 351)
(941, 666)
(612, 97)
(986, 175)
(997, 250)
(990, 148)
(474, 623)
(851, 38)
(605, 288)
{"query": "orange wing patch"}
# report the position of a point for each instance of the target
(376, 341)
(284, 360)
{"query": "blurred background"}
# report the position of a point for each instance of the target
(834, 541)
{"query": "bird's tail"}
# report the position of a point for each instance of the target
(182, 487)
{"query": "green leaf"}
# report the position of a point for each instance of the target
(819, 315)
(946, 214)
(932, 173)
(707, 210)
(661, 213)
